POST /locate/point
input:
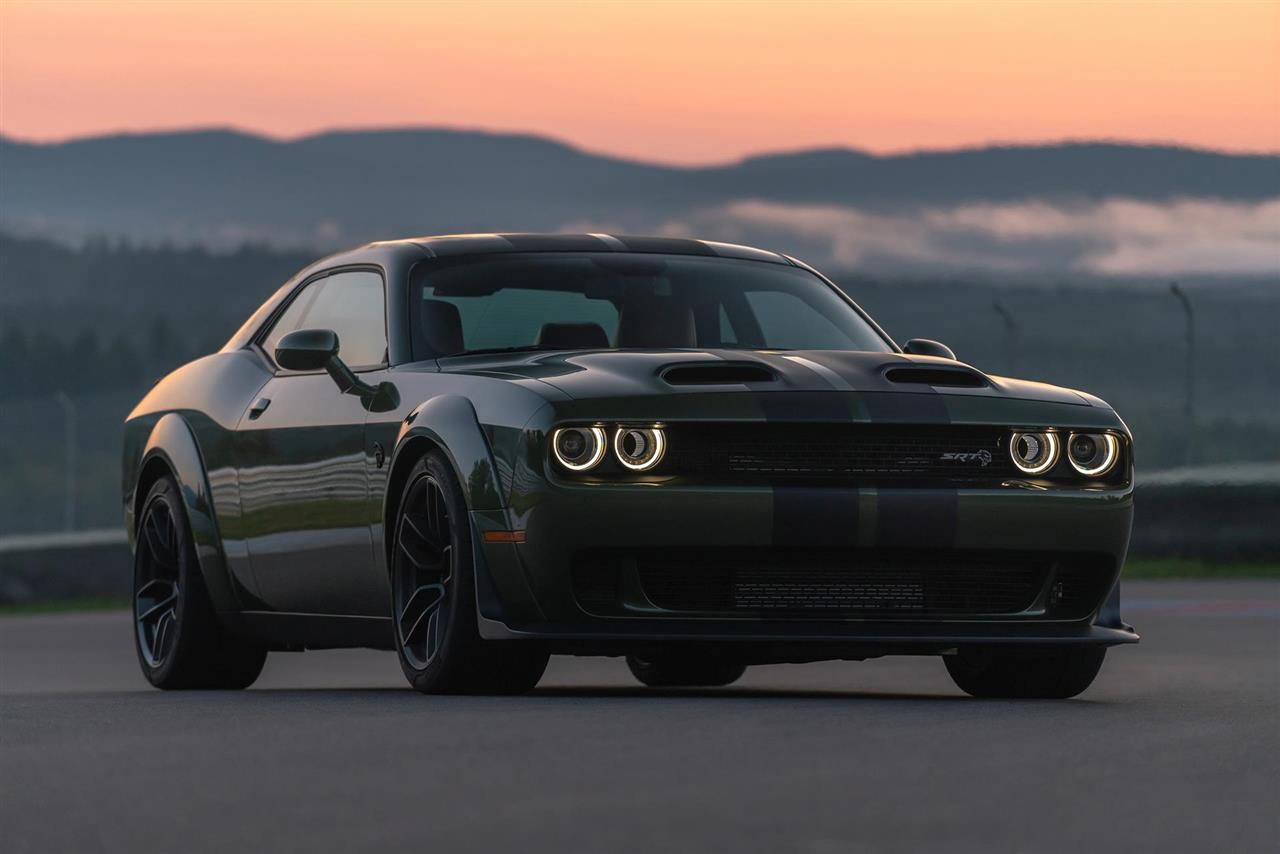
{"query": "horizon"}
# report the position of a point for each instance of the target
(531, 134)
(661, 83)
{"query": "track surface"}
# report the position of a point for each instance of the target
(1175, 748)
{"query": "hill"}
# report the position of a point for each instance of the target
(223, 188)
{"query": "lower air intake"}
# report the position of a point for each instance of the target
(837, 583)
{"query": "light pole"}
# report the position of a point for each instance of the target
(1011, 334)
(1189, 395)
(69, 460)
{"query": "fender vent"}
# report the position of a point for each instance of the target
(936, 376)
(717, 374)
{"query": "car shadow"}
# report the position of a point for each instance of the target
(639, 695)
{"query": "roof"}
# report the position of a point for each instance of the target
(446, 245)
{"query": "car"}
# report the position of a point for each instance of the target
(482, 450)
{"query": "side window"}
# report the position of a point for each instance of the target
(352, 305)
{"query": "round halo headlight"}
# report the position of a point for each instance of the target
(639, 448)
(579, 448)
(1093, 454)
(1034, 452)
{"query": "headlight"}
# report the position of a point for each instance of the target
(1034, 453)
(1093, 454)
(578, 448)
(639, 448)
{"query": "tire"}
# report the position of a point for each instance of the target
(179, 641)
(675, 671)
(1046, 674)
(433, 596)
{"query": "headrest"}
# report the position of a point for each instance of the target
(573, 336)
(442, 327)
(656, 323)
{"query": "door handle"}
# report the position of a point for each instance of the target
(259, 406)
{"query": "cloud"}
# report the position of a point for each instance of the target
(1115, 236)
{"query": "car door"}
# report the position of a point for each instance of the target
(301, 460)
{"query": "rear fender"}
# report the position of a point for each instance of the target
(172, 443)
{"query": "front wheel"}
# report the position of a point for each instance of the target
(1055, 673)
(434, 599)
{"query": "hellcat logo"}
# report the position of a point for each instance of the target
(983, 458)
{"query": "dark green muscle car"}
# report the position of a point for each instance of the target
(482, 450)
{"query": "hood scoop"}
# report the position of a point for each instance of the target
(953, 377)
(716, 373)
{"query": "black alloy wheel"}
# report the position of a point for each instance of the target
(423, 572)
(433, 596)
(179, 640)
(157, 584)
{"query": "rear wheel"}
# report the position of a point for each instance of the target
(676, 671)
(176, 632)
(1055, 673)
(434, 600)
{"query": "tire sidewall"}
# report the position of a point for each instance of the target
(459, 593)
(1049, 673)
(165, 491)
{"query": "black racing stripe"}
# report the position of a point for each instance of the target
(806, 406)
(925, 407)
(470, 244)
(905, 517)
(665, 245)
(811, 517)
(917, 518)
(805, 515)
(556, 243)
(797, 374)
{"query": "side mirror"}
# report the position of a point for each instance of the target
(926, 347)
(307, 349)
(316, 350)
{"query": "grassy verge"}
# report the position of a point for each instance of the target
(85, 603)
(1190, 568)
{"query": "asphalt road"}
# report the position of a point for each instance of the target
(1175, 748)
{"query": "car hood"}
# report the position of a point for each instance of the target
(636, 373)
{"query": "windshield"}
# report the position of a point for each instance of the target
(605, 301)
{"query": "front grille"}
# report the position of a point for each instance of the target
(846, 453)
(841, 583)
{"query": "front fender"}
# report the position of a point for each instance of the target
(172, 443)
(450, 422)
(447, 422)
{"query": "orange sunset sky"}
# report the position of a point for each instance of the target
(678, 82)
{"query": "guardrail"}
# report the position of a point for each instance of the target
(1221, 512)
(65, 565)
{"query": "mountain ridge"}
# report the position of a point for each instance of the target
(232, 131)
(223, 187)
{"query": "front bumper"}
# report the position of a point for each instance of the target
(527, 590)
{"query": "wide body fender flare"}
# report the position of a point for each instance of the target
(173, 443)
(448, 422)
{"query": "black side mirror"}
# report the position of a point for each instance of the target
(307, 349)
(317, 349)
(926, 347)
